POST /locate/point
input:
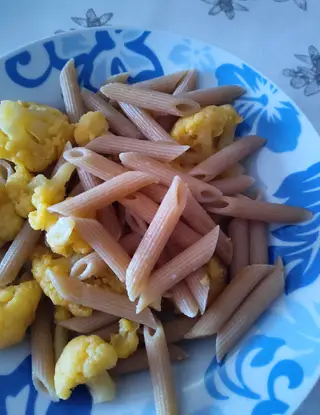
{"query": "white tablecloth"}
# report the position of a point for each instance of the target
(279, 37)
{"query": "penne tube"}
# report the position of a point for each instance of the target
(93, 163)
(136, 224)
(233, 185)
(5, 171)
(18, 253)
(130, 242)
(246, 208)
(88, 266)
(258, 242)
(259, 300)
(188, 83)
(150, 100)
(61, 339)
(227, 157)
(234, 171)
(71, 92)
(156, 237)
(183, 299)
(229, 300)
(239, 234)
(100, 299)
(119, 77)
(138, 361)
(111, 144)
(219, 95)
(104, 194)
(42, 353)
(166, 277)
(199, 285)
(86, 325)
(106, 331)
(118, 123)
(148, 126)
(102, 388)
(161, 371)
(176, 329)
(87, 180)
(203, 192)
(61, 160)
(105, 245)
(165, 83)
(76, 190)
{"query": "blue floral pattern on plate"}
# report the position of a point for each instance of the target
(284, 343)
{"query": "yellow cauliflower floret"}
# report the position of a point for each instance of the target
(108, 280)
(61, 313)
(90, 126)
(217, 274)
(18, 304)
(83, 358)
(20, 191)
(10, 221)
(44, 267)
(31, 134)
(127, 340)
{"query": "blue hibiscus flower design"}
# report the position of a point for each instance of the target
(265, 109)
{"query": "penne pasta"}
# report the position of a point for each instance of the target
(102, 388)
(188, 83)
(183, 299)
(199, 285)
(229, 300)
(246, 208)
(86, 325)
(192, 258)
(139, 360)
(148, 126)
(71, 92)
(100, 299)
(61, 338)
(233, 185)
(118, 123)
(234, 171)
(17, 254)
(61, 160)
(161, 372)
(165, 83)
(5, 171)
(258, 242)
(105, 245)
(219, 95)
(87, 180)
(156, 237)
(119, 77)
(136, 224)
(104, 194)
(250, 310)
(106, 331)
(88, 266)
(227, 157)
(130, 242)
(203, 192)
(239, 234)
(150, 100)
(176, 329)
(42, 353)
(111, 144)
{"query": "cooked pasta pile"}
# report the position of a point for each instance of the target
(131, 209)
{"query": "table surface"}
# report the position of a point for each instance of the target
(281, 38)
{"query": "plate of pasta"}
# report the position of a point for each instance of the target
(159, 229)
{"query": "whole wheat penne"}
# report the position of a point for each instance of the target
(203, 192)
(246, 208)
(119, 77)
(89, 324)
(233, 185)
(161, 372)
(228, 301)
(77, 189)
(192, 258)
(87, 266)
(183, 299)
(102, 388)
(269, 289)
(136, 224)
(87, 180)
(165, 83)
(100, 299)
(106, 331)
(139, 360)
(199, 285)
(227, 157)
(218, 95)
(119, 124)
(93, 163)
(5, 171)
(148, 126)
(156, 237)
(111, 144)
(239, 234)
(233, 171)
(61, 160)
(105, 245)
(258, 242)
(42, 352)
(104, 194)
(151, 100)
(17, 253)
(176, 329)
(71, 92)
(130, 242)
(61, 338)
(188, 83)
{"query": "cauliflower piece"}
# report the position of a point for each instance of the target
(201, 131)
(217, 274)
(126, 341)
(83, 358)
(61, 313)
(43, 267)
(31, 134)
(109, 280)
(90, 126)
(11, 222)
(18, 304)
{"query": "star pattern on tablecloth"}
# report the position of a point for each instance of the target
(302, 4)
(228, 7)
